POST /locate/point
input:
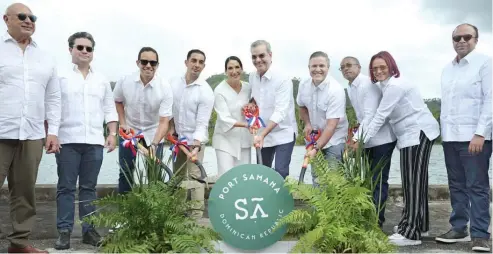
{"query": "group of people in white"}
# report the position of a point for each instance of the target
(67, 109)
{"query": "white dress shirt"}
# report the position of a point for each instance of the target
(273, 94)
(365, 98)
(192, 108)
(87, 103)
(466, 98)
(408, 114)
(29, 92)
(144, 105)
(325, 101)
(228, 105)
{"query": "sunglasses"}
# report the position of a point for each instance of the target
(466, 37)
(381, 67)
(80, 48)
(145, 62)
(23, 16)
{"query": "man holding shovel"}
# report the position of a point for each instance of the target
(322, 102)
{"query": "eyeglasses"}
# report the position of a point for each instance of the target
(466, 37)
(145, 62)
(348, 66)
(381, 67)
(23, 16)
(81, 47)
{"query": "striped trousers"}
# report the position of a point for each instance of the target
(414, 172)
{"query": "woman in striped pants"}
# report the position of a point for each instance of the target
(416, 130)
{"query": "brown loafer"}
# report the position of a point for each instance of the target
(27, 249)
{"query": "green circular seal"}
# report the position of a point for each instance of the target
(246, 204)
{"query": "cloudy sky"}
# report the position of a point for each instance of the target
(416, 32)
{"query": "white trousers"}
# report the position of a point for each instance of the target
(226, 161)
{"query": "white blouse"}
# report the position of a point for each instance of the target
(228, 105)
(407, 113)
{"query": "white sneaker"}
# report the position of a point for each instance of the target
(422, 233)
(400, 240)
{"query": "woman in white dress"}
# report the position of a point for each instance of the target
(231, 139)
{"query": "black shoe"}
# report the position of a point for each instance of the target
(92, 237)
(481, 245)
(453, 237)
(63, 241)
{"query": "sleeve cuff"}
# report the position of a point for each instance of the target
(53, 130)
(482, 131)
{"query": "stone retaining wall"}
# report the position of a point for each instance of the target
(47, 192)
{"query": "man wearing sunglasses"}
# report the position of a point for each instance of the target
(144, 104)
(29, 95)
(192, 108)
(466, 122)
(87, 102)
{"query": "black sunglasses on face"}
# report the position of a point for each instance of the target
(23, 16)
(466, 37)
(80, 48)
(145, 62)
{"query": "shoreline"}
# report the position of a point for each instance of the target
(47, 192)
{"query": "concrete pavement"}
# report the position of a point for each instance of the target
(45, 233)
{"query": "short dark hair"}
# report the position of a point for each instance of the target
(391, 64)
(232, 58)
(322, 54)
(198, 51)
(79, 35)
(148, 49)
(353, 58)
(467, 24)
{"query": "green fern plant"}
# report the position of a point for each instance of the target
(154, 217)
(340, 215)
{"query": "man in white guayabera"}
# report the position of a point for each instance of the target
(272, 92)
(466, 122)
(29, 95)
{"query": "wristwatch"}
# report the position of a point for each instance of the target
(113, 134)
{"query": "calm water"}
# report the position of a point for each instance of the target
(109, 170)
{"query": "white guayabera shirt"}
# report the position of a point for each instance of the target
(466, 98)
(325, 101)
(87, 103)
(273, 94)
(144, 105)
(192, 108)
(29, 92)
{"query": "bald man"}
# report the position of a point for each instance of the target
(29, 95)
(466, 122)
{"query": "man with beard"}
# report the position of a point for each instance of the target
(192, 108)
(87, 102)
(29, 95)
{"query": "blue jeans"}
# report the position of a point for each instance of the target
(74, 161)
(332, 154)
(380, 194)
(469, 187)
(127, 166)
(282, 154)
